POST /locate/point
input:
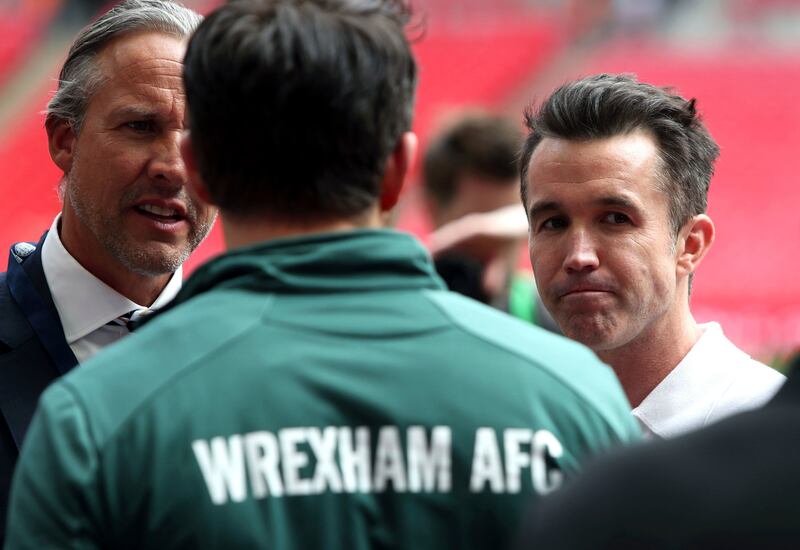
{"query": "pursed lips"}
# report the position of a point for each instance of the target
(584, 289)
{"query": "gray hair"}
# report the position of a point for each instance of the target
(80, 76)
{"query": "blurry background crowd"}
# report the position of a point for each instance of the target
(739, 58)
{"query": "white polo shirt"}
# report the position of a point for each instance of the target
(85, 304)
(715, 379)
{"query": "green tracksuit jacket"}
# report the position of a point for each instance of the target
(315, 392)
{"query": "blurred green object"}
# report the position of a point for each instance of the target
(785, 363)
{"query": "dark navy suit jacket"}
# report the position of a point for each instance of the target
(26, 366)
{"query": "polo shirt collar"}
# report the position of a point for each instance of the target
(689, 392)
(84, 302)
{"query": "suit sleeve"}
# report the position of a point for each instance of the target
(52, 502)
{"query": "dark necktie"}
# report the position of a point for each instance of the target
(122, 320)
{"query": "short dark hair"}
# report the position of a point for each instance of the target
(479, 144)
(296, 105)
(608, 105)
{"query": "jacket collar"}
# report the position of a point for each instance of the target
(14, 334)
(344, 261)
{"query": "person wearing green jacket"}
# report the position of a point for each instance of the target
(316, 386)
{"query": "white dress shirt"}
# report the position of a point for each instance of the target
(715, 379)
(85, 304)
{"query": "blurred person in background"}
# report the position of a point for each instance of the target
(731, 485)
(128, 220)
(316, 386)
(472, 193)
(615, 177)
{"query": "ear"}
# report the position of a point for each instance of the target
(694, 241)
(397, 169)
(61, 140)
(196, 182)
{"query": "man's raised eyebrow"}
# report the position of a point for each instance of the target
(617, 200)
(541, 207)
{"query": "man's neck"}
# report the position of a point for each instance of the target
(642, 364)
(139, 288)
(242, 232)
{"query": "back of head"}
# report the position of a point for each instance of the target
(477, 144)
(605, 106)
(296, 105)
(80, 77)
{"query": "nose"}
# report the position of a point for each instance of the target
(581, 253)
(166, 164)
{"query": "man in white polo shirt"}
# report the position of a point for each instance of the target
(615, 177)
(128, 220)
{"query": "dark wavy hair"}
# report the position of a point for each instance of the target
(608, 105)
(296, 105)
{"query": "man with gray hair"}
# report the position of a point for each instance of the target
(128, 220)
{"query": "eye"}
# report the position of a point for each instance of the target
(141, 126)
(616, 218)
(554, 223)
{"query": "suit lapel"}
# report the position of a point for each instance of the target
(43, 355)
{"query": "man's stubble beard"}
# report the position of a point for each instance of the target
(109, 230)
